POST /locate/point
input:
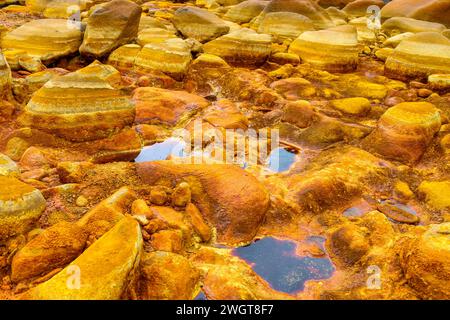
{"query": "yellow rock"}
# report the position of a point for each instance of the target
(436, 193)
(171, 56)
(21, 206)
(285, 25)
(402, 190)
(79, 106)
(7, 166)
(398, 25)
(46, 39)
(405, 130)
(242, 47)
(154, 35)
(439, 81)
(102, 272)
(123, 58)
(199, 24)
(5, 77)
(109, 26)
(383, 53)
(419, 56)
(245, 11)
(354, 106)
(334, 49)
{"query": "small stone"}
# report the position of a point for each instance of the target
(203, 230)
(167, 240)
(140, 208)
(81, 201)
(353, 106)
(436, 194)
(402, 190)
(181, 195)
(158, 195)
(424, 93)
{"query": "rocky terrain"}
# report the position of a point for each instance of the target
(93, 93)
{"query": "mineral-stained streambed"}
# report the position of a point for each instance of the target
(225, 149)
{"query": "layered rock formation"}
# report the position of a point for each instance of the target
(245, 11)
(21, 206)
(398, 25)
(79, 106)
(109, 26)
(241, 47)
(46, 39)
(419, 56)
(285, 24)
(334, 49)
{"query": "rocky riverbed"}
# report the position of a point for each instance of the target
(129, 169)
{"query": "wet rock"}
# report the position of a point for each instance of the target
(230, 278)
(334, 49)
(325, 182)
(352, 106)
(171, 56)
(294, 88)
(425, 261)
(54, 247)
(242, 47)
(199, 24)
(161, 106)
(46, 39)
(404, 131)
(239, 219)
(79, 106)
(21, 206)
(397, 25)
(429, 10)
(397, 214)
(7, 166)
(109, 26)
(104, 269)
(408, 66)
(394, 41)
(436, 194)
(124, 57)
(350, 243)
(245, 11)
(285, 25)
(167, 276)
(300, 113)
(439, 81)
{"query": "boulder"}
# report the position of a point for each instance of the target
(396, 25)
(82, 105)
(5, 78)
(7, 166)
(436, 194)
(46, 39)
(199, 24)
(285, 25)
(109, 26)
(243, 47)
(53, 248)
(245, 11)
(161, 106)
(429, 10)
(404, 131)
(419, 56)
(335, 49)
(21, 205)
(102, 272)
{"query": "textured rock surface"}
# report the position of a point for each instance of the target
(285, 24)
(241, 47)
(21, 206)
(171, 57)
(54, 247)
(5, 77)
(199, 24)
(160, 106)
(105, 268)
(334, 49)
(245, 11)
(419, 56)
(397, 25)
(82, 105)
(405, 130)
(109, 26)
(46, 39)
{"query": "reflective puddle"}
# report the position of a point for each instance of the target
(276, 261)
(279, 159)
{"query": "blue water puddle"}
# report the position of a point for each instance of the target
(276, 261)
(279, 159)
(201, 296)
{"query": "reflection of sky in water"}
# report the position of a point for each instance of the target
(201, 296)
(279, 159)
(275, 261)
